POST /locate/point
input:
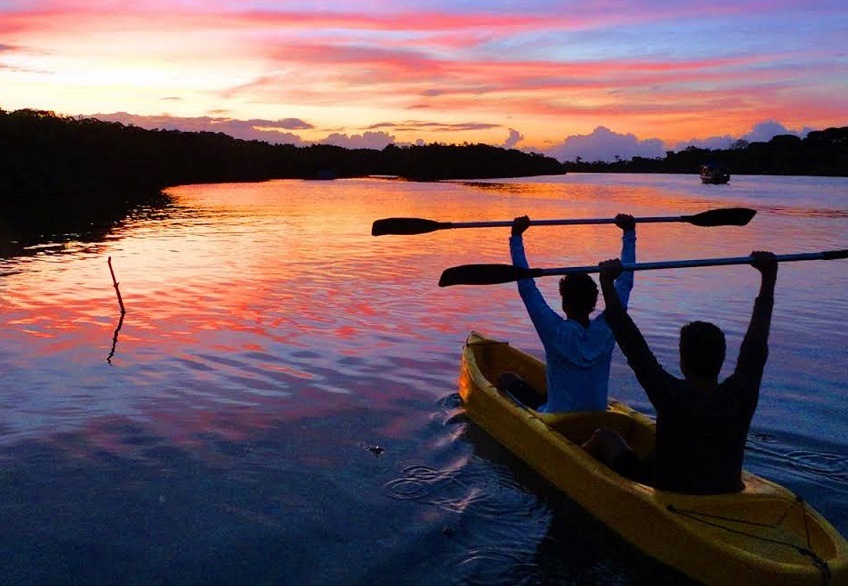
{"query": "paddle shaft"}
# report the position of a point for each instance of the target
(564, 222)
(409, 226)
(682, 264)
(492, 274)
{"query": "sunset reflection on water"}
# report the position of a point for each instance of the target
(256, 294)
(267, 329)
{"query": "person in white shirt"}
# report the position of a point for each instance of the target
(578, 349)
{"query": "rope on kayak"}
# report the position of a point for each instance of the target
(697, 515)
(817, 561)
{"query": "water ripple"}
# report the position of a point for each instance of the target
(492, 566)
(250, 306)
(456, 491)
(834, 466)
(812, 463)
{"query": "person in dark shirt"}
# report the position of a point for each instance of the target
(702, 424)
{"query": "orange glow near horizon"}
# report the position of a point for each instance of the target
(440, 75)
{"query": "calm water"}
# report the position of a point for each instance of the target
(279, 405)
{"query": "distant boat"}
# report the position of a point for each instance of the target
(713, 174)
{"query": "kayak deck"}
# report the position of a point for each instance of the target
(764, 534)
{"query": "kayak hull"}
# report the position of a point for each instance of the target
(764, 534)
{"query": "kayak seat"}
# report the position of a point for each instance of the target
(579, 427)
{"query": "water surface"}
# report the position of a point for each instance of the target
(278, 405)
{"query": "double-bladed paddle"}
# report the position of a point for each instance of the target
(409, 226)
(492, 274)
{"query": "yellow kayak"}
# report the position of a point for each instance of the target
(764, 534)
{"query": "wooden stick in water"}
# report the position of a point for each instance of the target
(118, 291)
(115, 338)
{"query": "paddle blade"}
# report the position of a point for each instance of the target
(835, 254)
(722, 217)
(484, 274)
(405, 226)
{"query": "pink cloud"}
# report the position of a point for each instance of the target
(514, 138)
(366, 140)
(65, 16)
(605, 145)
(500, 67)
(413, 125)
(272, 131)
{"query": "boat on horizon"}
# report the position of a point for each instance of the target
(713, 174)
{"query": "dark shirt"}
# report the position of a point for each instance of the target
(701, 432)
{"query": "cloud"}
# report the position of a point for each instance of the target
(605, 145)
(514, 138)
(416, 125)
(272, 131)
(656, 71)
(711, 143)
(761, 132)
(277, 131)
(765, 131)
(366, 140)
(602, 144)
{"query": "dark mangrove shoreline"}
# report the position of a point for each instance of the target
(69, 177)
(63, 174)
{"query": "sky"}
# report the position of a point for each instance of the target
(600, 79)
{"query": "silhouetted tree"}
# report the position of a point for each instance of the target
(61, 174)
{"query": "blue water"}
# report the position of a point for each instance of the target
(278, 405)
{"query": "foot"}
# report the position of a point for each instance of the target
(605, 445)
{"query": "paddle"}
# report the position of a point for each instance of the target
(492, 274)
(409, 226)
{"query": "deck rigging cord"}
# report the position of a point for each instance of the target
(807, 551)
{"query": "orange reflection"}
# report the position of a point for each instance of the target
(252, 303)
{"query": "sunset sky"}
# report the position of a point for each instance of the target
(553, 76)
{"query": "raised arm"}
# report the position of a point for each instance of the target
(544, 319)
(766, 263)
(653, 378)
(624, 282)
(753, 352)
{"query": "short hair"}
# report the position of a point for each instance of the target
(702, 348)
(579, 293)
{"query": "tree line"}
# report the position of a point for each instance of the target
(60, 173)
(821, 152)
